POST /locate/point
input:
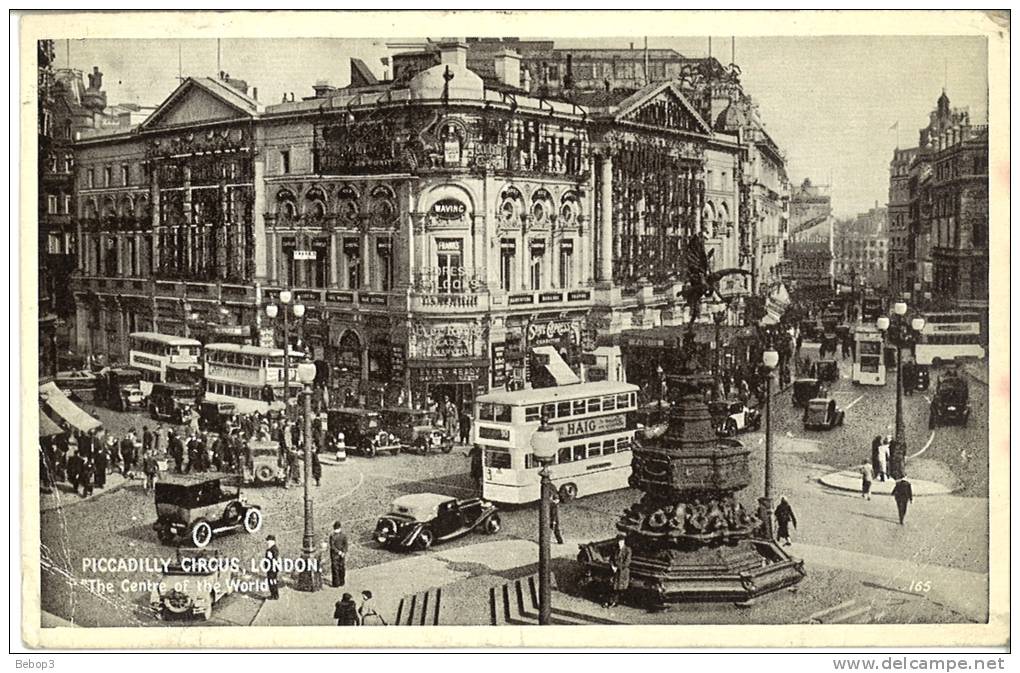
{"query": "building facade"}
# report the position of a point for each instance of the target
(810, 254)
(439, 227)
(861, 251)
(900, 277)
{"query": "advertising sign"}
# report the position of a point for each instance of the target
(591, 426)
(448, 209)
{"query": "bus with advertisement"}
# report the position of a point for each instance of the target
(868, 368)
(947, 336)
(251, 377)
(156, 354)
(594, 421)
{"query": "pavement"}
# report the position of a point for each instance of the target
(850, 480)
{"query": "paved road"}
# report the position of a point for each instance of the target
(943, 533)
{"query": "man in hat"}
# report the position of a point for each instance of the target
(903, 493)
(338, 554)
(620, 564)
(272, 569)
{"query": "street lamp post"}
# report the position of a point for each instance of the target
(272, 310)
(770, 359)
(900, 334)
(310, 576)
(544, 445)
(718, 311)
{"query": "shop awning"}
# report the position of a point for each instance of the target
(556, 366)
(48, 428)
(66, 410)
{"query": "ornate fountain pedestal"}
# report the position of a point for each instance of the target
(691, 540)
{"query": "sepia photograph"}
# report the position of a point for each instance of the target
(517, 329)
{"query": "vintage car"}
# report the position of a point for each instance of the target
(213, 416)
(419, 520)
(826, 370)
(363, 430)
(172, 401)
(951, 402)
(191, 585)
(120, 388)
(804, 390)
(822, 414)
(731, 417)
(80, 379)
(915, 377)
(416, 429)
(197, 507)
(263, 463)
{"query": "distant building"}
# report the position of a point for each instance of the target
(861, 248)
(944, 184)
(809, 253)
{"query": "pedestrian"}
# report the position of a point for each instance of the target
(620, 564)
(883, 458)
(875, 443)
(784, 517)
(338, 554)
(367, 614)
(88, 474)
(316, 467)
(272, 560)
(465, 426)
(127, 454)
(345, 612)
(176, 448)
(100, 458)
(151, 467)
(903, 493)
(157, 440)
(554, 515)
(476, 464)
(867, 476)
(147, 440)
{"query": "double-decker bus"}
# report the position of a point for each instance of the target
(154, 354)
(249, 376)
(869, 368)
(596, 433)
(950, 335)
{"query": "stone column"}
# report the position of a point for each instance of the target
(138, 255)
(189, 259)
(524, 281)
(155, 221)
(605, 268)
(263, 241)
(334, 260)
(366, 268)
(101, 261)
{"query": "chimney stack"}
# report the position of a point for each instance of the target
(508, 67)
(453, 52)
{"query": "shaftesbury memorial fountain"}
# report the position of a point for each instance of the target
(690, 537)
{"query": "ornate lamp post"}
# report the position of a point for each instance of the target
(770, 359)
(717, 308)
(272, 310)
(900, 334)
(310, 576)
(544, 444)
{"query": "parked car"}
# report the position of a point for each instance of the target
(826, 370)
(951, 402)
(364, 431)
(822, 414)
(419, 520)
(192, 585)
(172, 402)
(213, 416)
(263, 463)
(120, 388)
(915, 377)
(804, 390)
(731, 417)
(79, 379)
(197, 507)
(416, 429)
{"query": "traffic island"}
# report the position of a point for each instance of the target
(850, 480)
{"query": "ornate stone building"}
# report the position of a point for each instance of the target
(861, 250)
(439, 227)
(901, 277)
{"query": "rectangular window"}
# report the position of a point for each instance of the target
(107, 177)
(537, 248)
(450, 265)
(549, 411)
(285, 161)
(594, 449)
(90, 178)
(594, 405)
(609, 446)
(352, 255)
(507, 252)
(68, 162)
(579, 407)
(608, 403)
(563, 410)
(622, 401)
(623, 444)
(51, 204)
(563, 455)
(566, 263)
(67, 204)
(577, 452)
(531, 414)
(125, 175)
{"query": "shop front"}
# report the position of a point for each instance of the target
(434, 382)
(522, 359)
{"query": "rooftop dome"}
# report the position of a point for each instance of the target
(732, 117)
(430, 83)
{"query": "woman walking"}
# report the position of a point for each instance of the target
(784, 517)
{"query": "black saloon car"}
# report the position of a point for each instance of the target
(418, 520)
(822, 414)
(198, 507)
(951, 403)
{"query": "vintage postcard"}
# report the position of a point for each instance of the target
(586, 329)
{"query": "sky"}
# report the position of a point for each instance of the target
(829, 102)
